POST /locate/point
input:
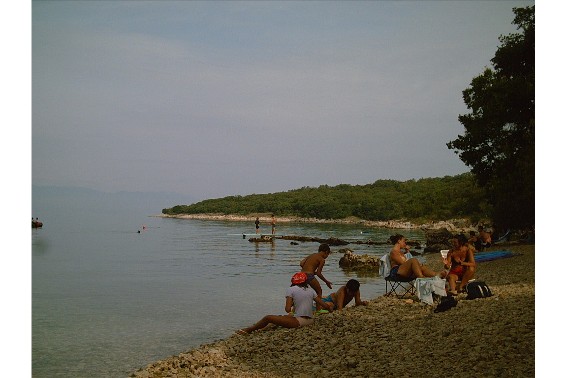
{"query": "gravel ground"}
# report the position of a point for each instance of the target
(490, 337)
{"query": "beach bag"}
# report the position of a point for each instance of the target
(477, 289)
(445, 304)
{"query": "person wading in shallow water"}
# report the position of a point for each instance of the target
(257, 223)
(273, 225)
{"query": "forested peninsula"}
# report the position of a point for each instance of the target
(417, 201)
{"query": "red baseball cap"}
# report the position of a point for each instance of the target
(299, 278)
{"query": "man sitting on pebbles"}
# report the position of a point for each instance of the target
(299, 298)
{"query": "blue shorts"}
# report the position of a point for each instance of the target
(329, 299)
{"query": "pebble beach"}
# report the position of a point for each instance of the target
(489, 337)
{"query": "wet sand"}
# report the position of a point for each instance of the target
(490, 337)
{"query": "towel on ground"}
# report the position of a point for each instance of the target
(426, 287)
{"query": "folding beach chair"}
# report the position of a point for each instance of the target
(398, 286)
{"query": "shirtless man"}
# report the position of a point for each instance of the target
(313, 266)
(404, 267)
(345, 294)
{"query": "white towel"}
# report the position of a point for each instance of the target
(425, 287)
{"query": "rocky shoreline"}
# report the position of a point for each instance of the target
(453, 225)
(490, 337)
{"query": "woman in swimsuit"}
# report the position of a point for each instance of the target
(404, 267)
(461, 264)
(300, 297)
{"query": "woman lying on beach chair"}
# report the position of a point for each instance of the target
(404, 267)
(298, 296)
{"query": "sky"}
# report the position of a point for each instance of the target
(212, 99)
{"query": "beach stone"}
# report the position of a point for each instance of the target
(353, 261)
(498, 337)
(437, 240)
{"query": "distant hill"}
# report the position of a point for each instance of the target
(426, 199)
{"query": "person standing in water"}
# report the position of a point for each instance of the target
(273, 225)
(257, 223)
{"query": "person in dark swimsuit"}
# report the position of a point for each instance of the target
(404, 267)
(257, 223)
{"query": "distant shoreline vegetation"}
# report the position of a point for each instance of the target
(416, 201)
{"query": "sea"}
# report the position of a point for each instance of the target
(115, 287)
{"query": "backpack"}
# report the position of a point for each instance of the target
(477, 289)
(445, 304)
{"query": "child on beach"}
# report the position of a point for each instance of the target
(345, 294)
(298, 296)
(313, 265)
(404, 267)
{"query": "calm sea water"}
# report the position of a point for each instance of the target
(107, 300)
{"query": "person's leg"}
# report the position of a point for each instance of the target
(452, 279)
(317, 287)
(469, 273)
(410, 268)
(427, 271)
(286, 321)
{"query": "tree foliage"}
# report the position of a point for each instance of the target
(499, 139)
(417, 200)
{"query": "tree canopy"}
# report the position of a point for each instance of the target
(499, 139)
(427, 199)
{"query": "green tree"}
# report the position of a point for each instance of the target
(499, 139)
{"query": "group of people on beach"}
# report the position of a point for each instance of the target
(459, 265)
(306, 289)
(459, 269)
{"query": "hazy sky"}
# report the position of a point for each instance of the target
(220, 98)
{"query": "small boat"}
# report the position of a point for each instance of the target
(36, 224)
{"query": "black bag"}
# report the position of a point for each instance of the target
(477, 289)
(446, 303)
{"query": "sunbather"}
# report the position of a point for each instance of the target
(345, 294)
(461, 264)
(485, 238)
(404, 267)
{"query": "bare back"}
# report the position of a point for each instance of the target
(312, 263)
